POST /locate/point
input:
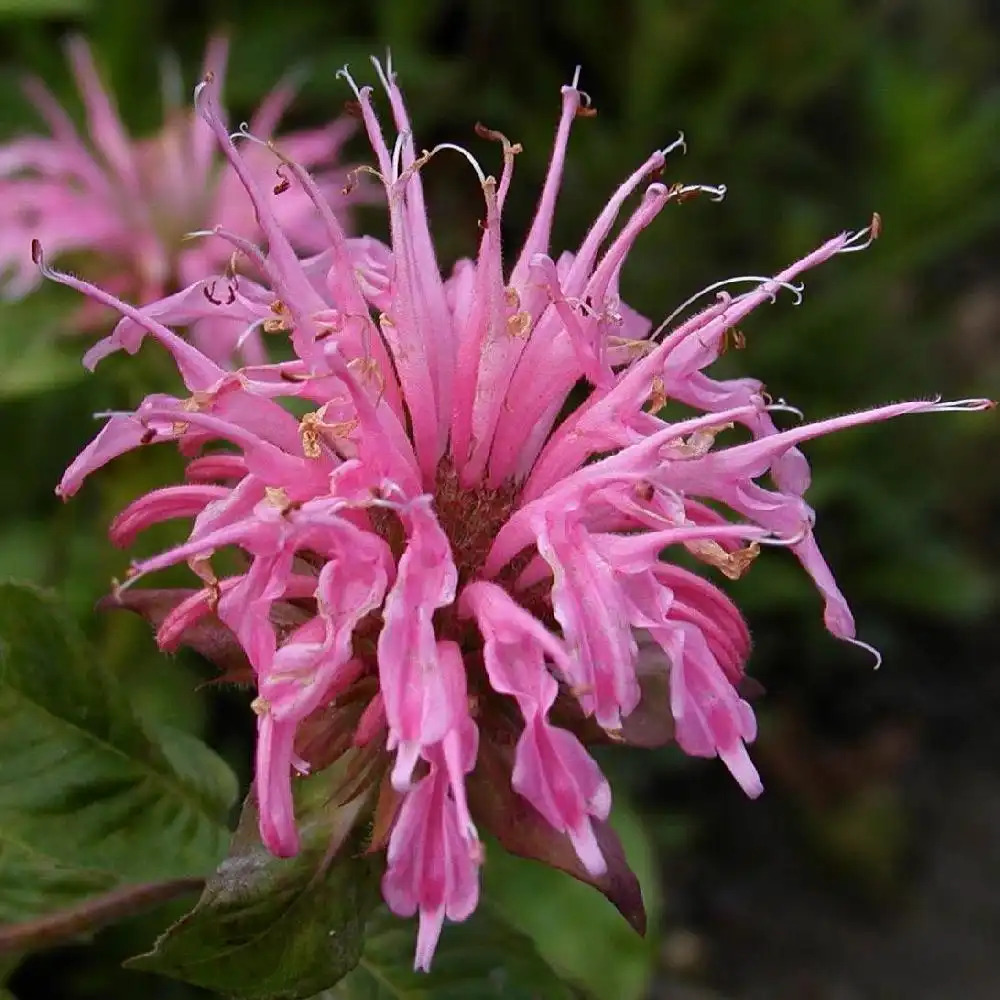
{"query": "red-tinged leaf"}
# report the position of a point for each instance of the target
(521, 829)
(208, 637)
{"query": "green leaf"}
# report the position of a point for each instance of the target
(89, 799)
(483, 958)
(42, 8)
(34, 354)
(574, 927)
(268, 928)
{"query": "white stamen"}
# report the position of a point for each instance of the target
(243, 132)
(963, 405)
(344, 74)
(397, 154)
(384, 75)
(575, 82)
(717, 192)
(459, 149)
(867, 647)
(107, 414)
(796, 290)
(678, 143)
(783, 542)
(863, 238)
(245, 335)
(782, 407)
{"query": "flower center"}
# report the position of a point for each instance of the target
(470, 518)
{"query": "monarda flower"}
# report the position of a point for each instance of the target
(440, 565)
(122, 207)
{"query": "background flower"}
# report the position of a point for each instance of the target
(122, 208)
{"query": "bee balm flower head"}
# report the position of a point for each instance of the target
(439, 569)
(123, 207)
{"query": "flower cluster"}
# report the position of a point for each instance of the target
(441, 567)
(129, 205)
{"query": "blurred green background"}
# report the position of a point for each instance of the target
(868, 868)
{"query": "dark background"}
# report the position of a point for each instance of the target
(870, 867)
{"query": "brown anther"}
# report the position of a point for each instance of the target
(353, 109)
(369, 368)
(876, 225)
(511, 297)
(732, 565)
(615, 735)
(201, 566)
(283, 181)
(518, 324)
(309, 431)
(282, 321)
(293, 377)
(699, 443)
(148, 436)
(657, 394)
(488, 133)
(260, 706)
(585, 111)
(276, 496)
(680, 192)
(197, 401)
(645, 491)
(209, 292)
(733, 338)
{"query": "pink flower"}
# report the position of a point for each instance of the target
(128, 204)
(438, 568)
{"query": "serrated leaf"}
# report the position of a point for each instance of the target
(32, 883)
(269, 928)
(483, 958)
(90, 799)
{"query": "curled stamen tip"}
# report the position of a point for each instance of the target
(786, 542)
(964, 405)
(679, 143)
(781, 406)
(867, 647)
(344, 73)
(863, 238)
